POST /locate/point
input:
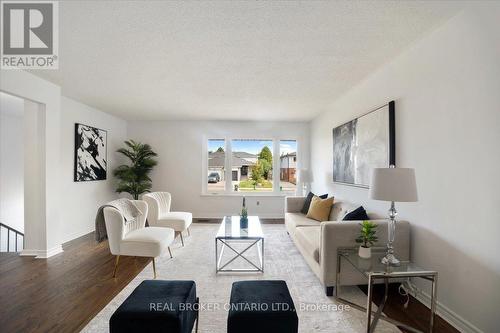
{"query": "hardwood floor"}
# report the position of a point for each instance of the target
(62, 293)
(416, 315)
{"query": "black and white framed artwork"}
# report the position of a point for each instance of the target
(90, 153)
(362, 144)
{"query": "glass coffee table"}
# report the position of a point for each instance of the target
(231, 233)
(374, 270)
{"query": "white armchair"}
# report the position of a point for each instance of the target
(133, 238)
(159, 214)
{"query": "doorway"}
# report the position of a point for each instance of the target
(11, 173)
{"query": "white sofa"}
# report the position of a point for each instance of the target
(318, 241)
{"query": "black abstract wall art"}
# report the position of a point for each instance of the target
(90, 153)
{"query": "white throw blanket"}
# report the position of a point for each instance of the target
(125, 206)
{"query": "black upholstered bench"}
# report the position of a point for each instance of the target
(158, 306)
(261, 306)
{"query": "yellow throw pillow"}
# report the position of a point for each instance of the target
(320, 208)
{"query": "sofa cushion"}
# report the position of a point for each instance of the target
(359, 214)
(179, 221)
(335, 211)
(146, 242)
(308, 200)
(340, 209)
(320, 209)
(308, 238)
(300, 220)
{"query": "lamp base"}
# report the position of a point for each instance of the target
(390, 260)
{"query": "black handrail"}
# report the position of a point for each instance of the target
(9, 230)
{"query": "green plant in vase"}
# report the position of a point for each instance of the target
(244, 216)
(367, 238)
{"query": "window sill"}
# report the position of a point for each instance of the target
(248, 194)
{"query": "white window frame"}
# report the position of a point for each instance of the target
(298, 166)
(228, 166)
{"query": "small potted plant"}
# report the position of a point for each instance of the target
(244, 216)
(367, 238)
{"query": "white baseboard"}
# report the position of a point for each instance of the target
(78, 235)
(29, 253)
(43, 254)
(50, 252)
(453, 318)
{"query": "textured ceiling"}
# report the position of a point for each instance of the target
(253, 60)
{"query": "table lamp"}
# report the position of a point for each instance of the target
(394, 185)
(306, 178)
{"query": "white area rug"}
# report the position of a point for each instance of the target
(196, 261)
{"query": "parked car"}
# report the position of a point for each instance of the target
(214, 177)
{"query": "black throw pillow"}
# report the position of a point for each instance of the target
(359, 214)
(309, 198)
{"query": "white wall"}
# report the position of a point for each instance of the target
(80, 201)
(447, 93)
(55, 208)
(179, 145)
(11, 165)
(41, 173)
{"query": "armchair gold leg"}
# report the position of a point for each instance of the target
(154, 269)
(169, 251)
(182, 239)
(116, 265)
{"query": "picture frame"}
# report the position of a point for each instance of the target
(364, 143)
(90, 160)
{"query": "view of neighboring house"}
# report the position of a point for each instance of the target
(216, 162)
(288, 167)
(241, 164)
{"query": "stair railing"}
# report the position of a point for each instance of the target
(9, 231)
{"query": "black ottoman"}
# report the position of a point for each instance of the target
(261, 306)
(158, 306)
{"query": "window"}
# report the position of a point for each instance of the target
(256, 166)
(252, 165)
(288, 165)
(216, 166)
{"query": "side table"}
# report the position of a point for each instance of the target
(374, 270)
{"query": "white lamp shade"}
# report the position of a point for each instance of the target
(305, 176)
(393, 184)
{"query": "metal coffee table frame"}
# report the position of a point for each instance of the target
(226, 242)
(230, 233)
(372, 276)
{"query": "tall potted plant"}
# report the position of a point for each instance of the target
(366, 239)
(134, 178)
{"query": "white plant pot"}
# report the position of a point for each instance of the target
(365, 252)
